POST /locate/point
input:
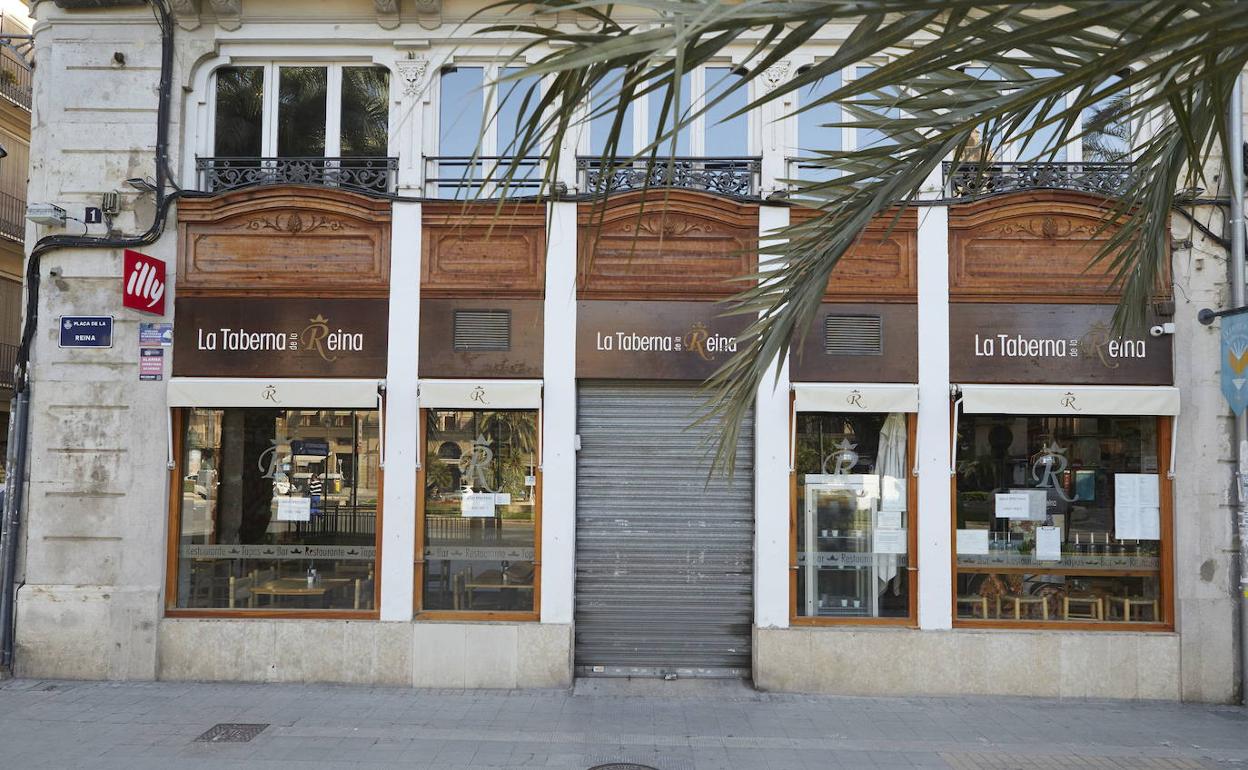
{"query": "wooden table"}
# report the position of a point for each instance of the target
(298, 587)
(470, 587)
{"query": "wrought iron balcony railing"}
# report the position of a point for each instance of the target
(12, 218)
(366, 175)
(738, 177)
(971, 180)
(15, 81)
(8, 362)
(466, 177)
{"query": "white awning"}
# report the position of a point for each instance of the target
(855, 397)
(480, 394)
(1070, 399)
(275, 393)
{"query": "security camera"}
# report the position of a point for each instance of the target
(1161, 329)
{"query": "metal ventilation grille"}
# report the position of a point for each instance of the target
(482, 330)
(853, 335)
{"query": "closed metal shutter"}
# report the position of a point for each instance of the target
(664, 560)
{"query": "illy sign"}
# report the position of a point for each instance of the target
(143, 283)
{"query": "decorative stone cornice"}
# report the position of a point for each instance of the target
(186, 12)
(413, 74)
(229, 13)
(429, 13)
(387, 13)
(775, 75)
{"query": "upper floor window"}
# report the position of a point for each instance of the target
(718, 132)
(816, 129)
(1106, 138)
(479, 122)
(312, 110)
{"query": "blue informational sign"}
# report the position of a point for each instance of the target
(305, 447)
(1235, 361)
(86, 331)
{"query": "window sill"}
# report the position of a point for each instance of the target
(486, 616)
(1041, 625)
(267, 614)
(808, 622)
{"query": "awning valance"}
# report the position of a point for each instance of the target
(480, 394)
(855, 397)
(1070, 399)
(273, 393)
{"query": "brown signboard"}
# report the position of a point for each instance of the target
(1052, 344)
(850, 342)
(442, 355)
(654, 340)
(279, 337)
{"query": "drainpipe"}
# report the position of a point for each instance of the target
(15, 472)
(1235, 159)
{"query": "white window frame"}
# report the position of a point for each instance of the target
(492, 70)
(269, 108)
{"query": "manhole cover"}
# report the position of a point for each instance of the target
(623, 766)
(230, 732)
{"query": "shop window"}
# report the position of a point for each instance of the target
(478, 524)
(278, 510)
(1060, 519)
(328, 110)
(853, 528)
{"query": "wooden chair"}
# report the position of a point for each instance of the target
(975, 602)
(1129, 603)
(1086, 607)
(240, 590)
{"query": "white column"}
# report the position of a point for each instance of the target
(933, 450)
(771, 477)
(559, 416)
(398, 551)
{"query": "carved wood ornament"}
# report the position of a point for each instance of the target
(284, 241)
(1032, 246)
(671, 244)
(882, 265)
(480, 249)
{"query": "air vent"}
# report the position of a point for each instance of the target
(853, 335)
(482, 330)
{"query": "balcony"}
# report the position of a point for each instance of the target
(15, 81)
(372, 176)
(12, 218)
(972, 180)
(468, 177)
(736, 177)
(8, 362)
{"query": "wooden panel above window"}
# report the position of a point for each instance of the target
(882, 265)
(483, 249)
(1032, 246)
(671, 244)
(284, 241)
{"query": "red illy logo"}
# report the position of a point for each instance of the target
(143, 283)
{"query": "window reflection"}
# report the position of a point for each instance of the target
(1107, 139)
(301, 111)
(853, 517)
(814, 134)
(480, 510)
(278, 509)
(365, 112)
(239, 112)
(726, 134)
(603, 101)
(677, 108)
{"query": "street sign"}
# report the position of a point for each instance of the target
(86, 331)
(1235, 361)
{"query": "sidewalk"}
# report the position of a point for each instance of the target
(690, 727)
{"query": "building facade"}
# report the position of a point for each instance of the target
(409, 427)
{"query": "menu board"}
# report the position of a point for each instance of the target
(294, 509)
(1137, 506)
(890, 541)
(1048, 544)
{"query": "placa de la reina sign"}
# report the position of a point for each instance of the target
(280, 337)
(654, 340)
(1052, 344)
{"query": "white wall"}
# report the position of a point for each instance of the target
(771, 476)
(933, 451)
(559, 417)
